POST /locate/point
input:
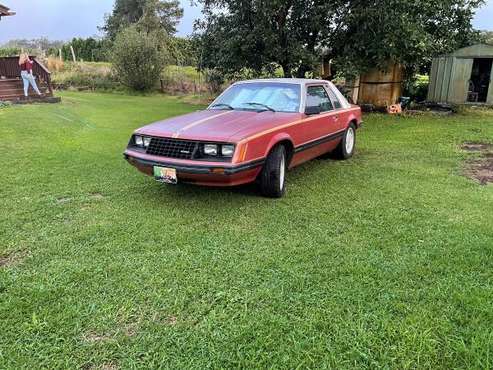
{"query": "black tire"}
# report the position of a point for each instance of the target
(341, 152)
(272, 175)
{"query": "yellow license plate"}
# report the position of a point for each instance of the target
(165, 175)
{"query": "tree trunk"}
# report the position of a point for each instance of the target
(286, 70)
(301, 72)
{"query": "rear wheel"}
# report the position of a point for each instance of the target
(345, 149)
(273, 175)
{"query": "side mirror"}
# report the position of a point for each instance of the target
(311, 110)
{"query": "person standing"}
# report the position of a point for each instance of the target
(26, 65)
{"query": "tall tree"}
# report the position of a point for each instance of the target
(260, 34)
(128, 12)
(487, 37)
(407, 32)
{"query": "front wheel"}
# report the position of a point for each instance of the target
(345, 149)
(272, 177)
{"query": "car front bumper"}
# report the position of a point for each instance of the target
(201, 173)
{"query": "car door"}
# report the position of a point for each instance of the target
(324, 123)
(315, 128)
(339, 115)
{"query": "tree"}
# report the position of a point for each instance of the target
(407, 32)
(262, 34)
(138, 58)
(487, 37)
(185, 51)
(90, 49)
(128, 12)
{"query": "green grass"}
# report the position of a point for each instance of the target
(383, 261)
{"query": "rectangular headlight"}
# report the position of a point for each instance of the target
(210, 149)
(227, 150)
(139, 140)
(147, 141)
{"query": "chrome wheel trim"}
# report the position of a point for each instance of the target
(282, 172)
(349, 140)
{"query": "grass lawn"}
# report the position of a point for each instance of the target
(385, 260)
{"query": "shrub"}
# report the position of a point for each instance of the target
(89, 50)
(180, 79)
(138, 58)
(9, 52)
(417, 88)
(55, 64)
(214, 79)
(93, 76)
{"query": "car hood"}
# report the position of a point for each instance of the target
(217, 125)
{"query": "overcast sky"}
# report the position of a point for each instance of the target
(64, 19)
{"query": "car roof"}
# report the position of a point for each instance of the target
(298, 81)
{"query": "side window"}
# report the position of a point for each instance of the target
(335, 99)
(316, 96)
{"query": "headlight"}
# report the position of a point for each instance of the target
(227, 150)
(210, 149)
(139, 140)
(147, 141)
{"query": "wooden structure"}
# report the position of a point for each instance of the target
(11, 87)
(463, 76)
(380, 88)
(5, 12)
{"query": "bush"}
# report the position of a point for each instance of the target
(93, 76)
(215, 79)
(138, 58)
(417, 88)
(54, 64)
(89, 50)
(9, 52)
(179, 79)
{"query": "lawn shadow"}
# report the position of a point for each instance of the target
(188, 191)
(221, 196)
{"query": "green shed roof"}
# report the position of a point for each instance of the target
(474, 51)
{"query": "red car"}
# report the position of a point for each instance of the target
(255, 130)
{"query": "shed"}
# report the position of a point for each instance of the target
(463, 76)
(381, 87)
(378, 87)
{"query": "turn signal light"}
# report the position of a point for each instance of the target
(218, 171)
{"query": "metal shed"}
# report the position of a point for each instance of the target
(463, 76)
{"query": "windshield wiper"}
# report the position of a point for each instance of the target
(262, 105)
(222, 105)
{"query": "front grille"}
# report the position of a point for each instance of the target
(172, 148)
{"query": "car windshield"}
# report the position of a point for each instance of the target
(260, 96)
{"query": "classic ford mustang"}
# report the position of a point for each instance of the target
(255, 130)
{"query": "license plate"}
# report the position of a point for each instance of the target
(165, 175)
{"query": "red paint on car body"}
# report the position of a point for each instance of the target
(254, 134)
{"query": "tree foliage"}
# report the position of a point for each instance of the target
(260, 35)
(294, 34)
(185, 51)
(39, 47)
(486, 37)
(407, 32)
(166, 13)
(138, 58)
(89, 50)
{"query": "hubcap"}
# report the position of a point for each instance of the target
(282, 172)
(349, 140)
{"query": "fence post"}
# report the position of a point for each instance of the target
(73, 53)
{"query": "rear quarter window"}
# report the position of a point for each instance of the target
(335, 100)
